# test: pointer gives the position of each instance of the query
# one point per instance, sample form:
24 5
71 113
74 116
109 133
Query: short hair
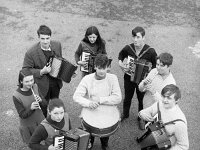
43 29
170 90
138 30
101 61
23 73
165 58
55 102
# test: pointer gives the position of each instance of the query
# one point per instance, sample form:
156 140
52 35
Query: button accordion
75 139
61 68
138 68
89 59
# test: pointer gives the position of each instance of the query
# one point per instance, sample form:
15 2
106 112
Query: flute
35 96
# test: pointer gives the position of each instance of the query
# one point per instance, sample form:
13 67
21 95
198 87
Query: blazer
35 60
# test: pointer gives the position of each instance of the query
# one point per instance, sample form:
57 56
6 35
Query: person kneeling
170 111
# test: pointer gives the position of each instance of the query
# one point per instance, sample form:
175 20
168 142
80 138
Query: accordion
89 59
155 138
75 139
138 68
61 68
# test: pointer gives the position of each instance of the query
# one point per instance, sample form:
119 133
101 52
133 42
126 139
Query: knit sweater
177 132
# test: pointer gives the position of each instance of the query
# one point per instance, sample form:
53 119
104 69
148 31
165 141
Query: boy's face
138 40
162 69
168 101
101 72
44 41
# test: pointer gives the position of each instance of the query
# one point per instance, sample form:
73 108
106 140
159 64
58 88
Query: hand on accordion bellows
35 105
45 70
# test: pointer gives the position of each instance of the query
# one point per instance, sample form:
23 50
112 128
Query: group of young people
42 113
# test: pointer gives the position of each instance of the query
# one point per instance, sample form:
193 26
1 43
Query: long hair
93 30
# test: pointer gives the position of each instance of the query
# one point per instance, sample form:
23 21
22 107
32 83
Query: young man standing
156 80
137 50
99 93
36 59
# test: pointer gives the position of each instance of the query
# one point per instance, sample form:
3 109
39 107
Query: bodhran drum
102 121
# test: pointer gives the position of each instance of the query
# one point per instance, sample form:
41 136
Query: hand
38 98
45 70
93 105
35 105
145 116
124 66
51 147
82 63
74 75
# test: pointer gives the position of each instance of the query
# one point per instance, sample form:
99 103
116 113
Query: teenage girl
92 43
27 101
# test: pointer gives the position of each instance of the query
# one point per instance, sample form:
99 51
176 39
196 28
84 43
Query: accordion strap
167 123
139 56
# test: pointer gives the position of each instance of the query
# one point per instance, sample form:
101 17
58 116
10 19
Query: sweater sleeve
40 134
81 92
22 111
115 96
181 134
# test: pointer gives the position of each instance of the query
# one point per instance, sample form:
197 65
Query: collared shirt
49 49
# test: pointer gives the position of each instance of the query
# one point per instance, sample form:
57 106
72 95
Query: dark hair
43 29
93 30
138 30
55 102
170 90
165 58
23 73
101 61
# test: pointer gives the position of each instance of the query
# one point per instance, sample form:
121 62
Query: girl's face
27 82
92 38
57 114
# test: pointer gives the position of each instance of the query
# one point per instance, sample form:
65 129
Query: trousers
129 89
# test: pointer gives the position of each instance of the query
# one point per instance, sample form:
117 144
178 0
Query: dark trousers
104 141
53 92
129 89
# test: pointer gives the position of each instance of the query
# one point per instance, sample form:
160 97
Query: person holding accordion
170 111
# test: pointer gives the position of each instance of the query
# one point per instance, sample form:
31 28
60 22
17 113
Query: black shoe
90 145
142 124
123 117
105 148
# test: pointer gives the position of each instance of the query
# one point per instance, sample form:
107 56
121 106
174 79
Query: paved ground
171 26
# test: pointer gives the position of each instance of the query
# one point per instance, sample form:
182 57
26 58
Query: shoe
90 145
142 124
123 117
105 148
